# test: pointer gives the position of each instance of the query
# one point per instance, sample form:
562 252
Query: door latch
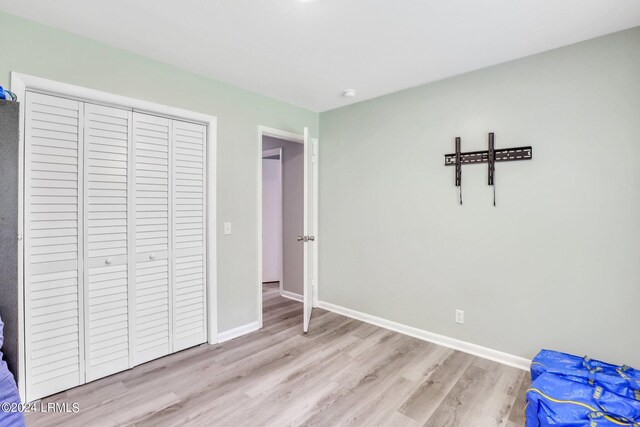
306 238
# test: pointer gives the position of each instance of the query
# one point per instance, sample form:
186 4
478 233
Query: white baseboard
467 347
238 332
291 295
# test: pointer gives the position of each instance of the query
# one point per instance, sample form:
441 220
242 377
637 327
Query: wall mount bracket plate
501 155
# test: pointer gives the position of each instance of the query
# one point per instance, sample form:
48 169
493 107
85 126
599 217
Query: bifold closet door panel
53 245
152 228
189 228
107 136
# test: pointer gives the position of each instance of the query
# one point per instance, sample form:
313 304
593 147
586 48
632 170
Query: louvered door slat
53 245
189 213
107 130
152 218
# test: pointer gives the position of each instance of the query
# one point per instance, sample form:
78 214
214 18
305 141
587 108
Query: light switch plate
227 228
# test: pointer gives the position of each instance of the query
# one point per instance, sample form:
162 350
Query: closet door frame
20 84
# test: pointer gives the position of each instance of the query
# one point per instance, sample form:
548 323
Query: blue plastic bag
621 380
5 94
10 416
557 401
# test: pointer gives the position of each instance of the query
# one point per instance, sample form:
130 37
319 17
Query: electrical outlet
227 228
460 316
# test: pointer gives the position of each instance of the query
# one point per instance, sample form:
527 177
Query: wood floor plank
480 398
342 373
516 416
425 366
374 370
433 390
498 397
381 405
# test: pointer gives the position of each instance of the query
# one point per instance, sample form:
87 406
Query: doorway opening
282 222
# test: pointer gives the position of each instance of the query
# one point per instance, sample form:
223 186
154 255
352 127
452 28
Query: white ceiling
308 52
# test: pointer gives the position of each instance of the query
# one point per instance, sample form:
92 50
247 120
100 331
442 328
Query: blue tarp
622 380
554 400
8 393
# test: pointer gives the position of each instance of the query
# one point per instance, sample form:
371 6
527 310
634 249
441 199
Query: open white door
309 226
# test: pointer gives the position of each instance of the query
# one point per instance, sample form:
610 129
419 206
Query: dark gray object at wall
9 128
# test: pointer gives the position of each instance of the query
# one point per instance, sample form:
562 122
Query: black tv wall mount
490 156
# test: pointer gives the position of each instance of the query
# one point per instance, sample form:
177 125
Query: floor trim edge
291 295
456 344
238 332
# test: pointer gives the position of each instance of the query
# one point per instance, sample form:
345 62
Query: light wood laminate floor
344 372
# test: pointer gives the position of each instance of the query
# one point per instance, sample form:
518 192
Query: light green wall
556 264
35 49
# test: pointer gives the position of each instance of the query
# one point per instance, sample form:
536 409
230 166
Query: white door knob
152 256
107 261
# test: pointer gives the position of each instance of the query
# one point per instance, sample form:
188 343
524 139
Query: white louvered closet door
189 219
53 245
107 135
152 231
